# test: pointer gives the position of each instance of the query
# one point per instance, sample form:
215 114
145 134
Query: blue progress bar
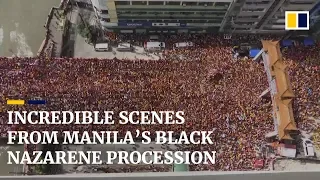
36 102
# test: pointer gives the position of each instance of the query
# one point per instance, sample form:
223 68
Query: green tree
86 32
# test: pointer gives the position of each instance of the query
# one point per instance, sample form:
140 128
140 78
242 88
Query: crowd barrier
204 175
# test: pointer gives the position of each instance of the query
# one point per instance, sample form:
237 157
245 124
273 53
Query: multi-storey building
262 15
174 16
315 18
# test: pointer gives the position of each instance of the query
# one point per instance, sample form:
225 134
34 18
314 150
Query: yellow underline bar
15 102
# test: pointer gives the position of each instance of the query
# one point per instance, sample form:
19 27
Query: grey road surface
21 25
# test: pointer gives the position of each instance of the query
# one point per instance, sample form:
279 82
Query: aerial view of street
124 86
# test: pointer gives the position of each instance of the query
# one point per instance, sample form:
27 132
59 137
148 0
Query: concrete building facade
315 19
196 16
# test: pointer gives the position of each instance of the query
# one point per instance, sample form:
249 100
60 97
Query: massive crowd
215 91
304 72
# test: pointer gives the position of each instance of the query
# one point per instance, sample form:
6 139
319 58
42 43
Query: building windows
123 12
236 9
170 21
122 3
161 9
168 13
173 3
140 12
139 3
136 17
200 21
222 4
131 12
274 28
276 23
155 13
205 3
301 2
245 23
189 3
243 28
214 21
257 3
253 9
253 17
156 3
186 13
212 13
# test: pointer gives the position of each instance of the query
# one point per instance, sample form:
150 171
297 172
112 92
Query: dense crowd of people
304 72
215 91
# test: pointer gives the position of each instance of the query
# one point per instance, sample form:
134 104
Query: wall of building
165 15
236 16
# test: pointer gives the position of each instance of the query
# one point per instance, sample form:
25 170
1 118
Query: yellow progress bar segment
15 102
292 20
